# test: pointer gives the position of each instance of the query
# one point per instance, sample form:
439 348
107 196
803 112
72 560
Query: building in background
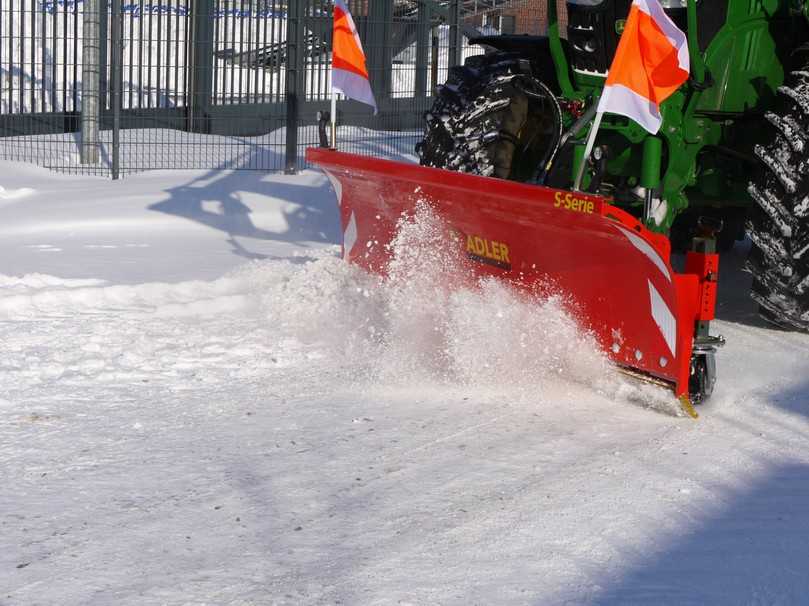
509 16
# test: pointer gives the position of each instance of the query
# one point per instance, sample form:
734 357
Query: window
508 24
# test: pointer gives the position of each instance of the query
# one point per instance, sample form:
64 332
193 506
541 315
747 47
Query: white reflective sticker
646 248
338 187
664 319
349 236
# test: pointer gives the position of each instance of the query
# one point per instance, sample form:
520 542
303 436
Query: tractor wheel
779 225
491 118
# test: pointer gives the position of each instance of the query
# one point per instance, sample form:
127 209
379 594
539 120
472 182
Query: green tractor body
737 68
739 58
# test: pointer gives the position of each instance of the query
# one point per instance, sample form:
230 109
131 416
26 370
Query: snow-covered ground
200 404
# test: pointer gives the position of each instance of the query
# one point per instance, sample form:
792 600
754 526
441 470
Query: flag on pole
349 74
651 62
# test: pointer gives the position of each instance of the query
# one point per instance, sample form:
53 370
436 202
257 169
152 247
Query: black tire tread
482 118
778 225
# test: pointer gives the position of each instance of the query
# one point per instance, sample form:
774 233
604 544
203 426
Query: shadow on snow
215 199
314 218
754 552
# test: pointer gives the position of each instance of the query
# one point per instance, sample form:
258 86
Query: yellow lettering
570 202
487 249
504 254
496 251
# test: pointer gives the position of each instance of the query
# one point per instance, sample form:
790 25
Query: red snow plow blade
615 273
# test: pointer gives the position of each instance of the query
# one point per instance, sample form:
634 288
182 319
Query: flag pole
333 141
588 149
333 116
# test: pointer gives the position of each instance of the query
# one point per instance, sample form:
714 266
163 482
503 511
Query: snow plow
615 274
506 162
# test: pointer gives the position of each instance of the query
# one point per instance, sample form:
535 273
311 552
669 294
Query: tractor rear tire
779 223
491 118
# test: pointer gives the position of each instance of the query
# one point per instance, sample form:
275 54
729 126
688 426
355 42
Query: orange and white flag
651 62
349 74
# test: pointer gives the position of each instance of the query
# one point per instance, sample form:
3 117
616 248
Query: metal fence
210 83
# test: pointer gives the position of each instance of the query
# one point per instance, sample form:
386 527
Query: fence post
380 18
116 49
435 49
422 49
201 67
295 82
90 110
455 33
103 59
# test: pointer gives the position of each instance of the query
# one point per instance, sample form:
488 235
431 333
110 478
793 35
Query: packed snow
200 403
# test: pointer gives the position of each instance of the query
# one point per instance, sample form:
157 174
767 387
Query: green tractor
732 154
